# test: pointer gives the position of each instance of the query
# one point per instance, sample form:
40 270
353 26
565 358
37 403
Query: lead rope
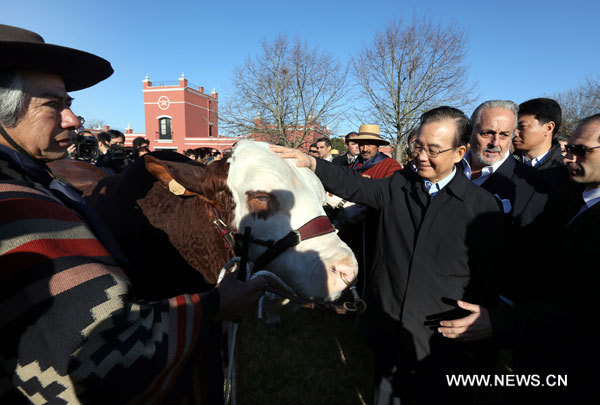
230 267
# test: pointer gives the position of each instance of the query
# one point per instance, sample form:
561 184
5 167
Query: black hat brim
78 69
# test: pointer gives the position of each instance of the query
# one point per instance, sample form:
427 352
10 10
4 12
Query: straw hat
370 132
25 50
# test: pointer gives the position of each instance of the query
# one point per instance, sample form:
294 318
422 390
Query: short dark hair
313 145
463 126
139 141
587 120
105 137
326 140
544 110
350 135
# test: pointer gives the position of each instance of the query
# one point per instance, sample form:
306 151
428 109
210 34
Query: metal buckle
298 237
219 222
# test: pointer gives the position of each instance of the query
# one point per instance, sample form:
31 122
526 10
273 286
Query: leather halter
315 227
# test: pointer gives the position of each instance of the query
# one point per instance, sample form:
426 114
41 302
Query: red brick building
314 131
181 116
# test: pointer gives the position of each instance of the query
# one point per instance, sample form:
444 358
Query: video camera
120 157
86 146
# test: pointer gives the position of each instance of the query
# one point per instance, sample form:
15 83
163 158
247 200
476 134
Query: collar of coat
457 187
553 158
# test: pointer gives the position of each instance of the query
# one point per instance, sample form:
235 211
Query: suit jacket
550 329
427 250
523 186
554 158
555 174
341 160
531 224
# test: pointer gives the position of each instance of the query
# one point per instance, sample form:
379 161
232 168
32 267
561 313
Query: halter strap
315 227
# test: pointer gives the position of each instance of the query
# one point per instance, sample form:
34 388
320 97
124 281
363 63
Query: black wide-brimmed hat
23 49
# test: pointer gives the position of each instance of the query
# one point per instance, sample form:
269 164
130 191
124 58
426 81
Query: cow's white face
273 197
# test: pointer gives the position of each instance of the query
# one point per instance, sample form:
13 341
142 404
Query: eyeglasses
578 150
432 152
313 152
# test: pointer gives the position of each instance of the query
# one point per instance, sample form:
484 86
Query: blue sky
517 49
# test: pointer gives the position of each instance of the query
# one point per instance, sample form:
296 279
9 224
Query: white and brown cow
162 207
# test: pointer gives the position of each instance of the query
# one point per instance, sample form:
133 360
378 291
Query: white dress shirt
591 197
486 172
536 160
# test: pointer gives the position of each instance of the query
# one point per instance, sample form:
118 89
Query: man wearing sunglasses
314 150
583 158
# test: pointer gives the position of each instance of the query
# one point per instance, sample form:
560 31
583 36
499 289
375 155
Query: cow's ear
168 172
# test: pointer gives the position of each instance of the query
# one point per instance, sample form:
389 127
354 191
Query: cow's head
274 197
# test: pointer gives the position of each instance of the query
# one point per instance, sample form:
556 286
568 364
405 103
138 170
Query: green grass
314 357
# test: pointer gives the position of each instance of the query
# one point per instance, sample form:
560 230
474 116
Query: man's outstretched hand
303 160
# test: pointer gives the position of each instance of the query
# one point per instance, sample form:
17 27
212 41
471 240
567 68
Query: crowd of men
483 241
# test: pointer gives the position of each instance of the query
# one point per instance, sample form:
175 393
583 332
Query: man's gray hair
13 98
505 104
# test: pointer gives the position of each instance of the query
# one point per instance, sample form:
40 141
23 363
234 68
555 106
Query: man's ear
460 153
549 127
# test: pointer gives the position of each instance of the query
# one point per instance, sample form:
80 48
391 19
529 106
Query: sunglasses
579 150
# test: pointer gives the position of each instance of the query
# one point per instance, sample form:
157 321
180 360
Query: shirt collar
434 188
536 160
486 172
591 197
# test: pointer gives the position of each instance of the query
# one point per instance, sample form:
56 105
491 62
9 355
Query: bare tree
408 69
95 123
283 93
578 103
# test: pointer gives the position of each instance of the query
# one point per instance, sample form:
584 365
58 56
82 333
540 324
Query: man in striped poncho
71 332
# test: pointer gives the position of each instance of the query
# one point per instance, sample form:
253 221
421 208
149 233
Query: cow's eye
261 203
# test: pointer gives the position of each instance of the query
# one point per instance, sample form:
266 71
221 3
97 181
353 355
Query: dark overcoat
551 329
428 249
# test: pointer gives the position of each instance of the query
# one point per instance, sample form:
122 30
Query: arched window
164 125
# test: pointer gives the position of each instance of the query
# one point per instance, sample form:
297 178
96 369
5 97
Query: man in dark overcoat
439 240
521 190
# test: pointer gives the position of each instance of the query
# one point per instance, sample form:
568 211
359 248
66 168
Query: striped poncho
70 332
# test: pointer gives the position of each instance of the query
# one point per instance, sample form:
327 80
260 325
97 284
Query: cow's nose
346 272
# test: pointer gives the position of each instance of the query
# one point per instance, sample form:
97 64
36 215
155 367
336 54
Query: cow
162 208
